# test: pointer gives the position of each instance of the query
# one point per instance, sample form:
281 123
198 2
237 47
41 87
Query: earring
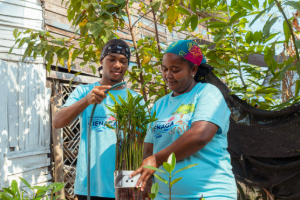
193 75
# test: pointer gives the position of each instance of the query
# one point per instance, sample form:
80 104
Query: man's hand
97 94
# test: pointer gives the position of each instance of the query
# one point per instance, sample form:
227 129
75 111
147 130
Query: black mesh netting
264 145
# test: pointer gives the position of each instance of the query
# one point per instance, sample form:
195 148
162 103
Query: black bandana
116 48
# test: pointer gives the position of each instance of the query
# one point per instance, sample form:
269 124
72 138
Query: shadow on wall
24 122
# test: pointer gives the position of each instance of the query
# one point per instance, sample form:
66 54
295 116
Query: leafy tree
97 22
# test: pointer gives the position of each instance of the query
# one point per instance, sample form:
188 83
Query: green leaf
297 89
156 6
15 33
194 22
152 196
59 42
249 37
42 188
237 16
14 186
5 196
256 36
193 5
154 188
216 24
172 161
156 169
241 191
175 181
161 179
59 186
56 197
204 19
9 191
293 4
28 50
76 74
297 43
185 168
258 16
167 167
93 68
245 4
63 53
95 27
286 31
182 10
283 71
255 3
267 27
199 4
233 3
11 49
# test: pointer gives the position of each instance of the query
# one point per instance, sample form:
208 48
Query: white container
122 180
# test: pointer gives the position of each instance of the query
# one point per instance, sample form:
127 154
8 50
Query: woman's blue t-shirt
103 144
213 177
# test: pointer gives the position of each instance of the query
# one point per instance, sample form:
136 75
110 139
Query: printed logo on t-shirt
178 123
100 123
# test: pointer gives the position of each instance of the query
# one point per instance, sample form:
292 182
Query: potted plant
130 121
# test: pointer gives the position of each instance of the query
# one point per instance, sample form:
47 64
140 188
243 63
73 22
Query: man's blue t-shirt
103 144
213 176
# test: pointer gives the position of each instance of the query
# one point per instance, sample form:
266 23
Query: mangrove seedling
169 166
13 192
131 119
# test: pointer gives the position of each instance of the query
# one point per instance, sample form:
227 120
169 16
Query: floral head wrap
190 51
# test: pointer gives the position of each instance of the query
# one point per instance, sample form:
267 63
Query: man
115 57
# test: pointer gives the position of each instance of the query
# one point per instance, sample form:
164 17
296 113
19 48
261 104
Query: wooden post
57 138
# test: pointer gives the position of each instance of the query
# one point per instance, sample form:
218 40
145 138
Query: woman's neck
189 88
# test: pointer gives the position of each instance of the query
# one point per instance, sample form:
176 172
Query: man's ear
101 61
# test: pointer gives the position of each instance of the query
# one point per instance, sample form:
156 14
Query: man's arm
67 115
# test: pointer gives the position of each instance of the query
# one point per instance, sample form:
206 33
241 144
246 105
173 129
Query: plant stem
158 44
170 186
237 51
290 27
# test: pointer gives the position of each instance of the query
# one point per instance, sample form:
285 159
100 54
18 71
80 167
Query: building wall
25 100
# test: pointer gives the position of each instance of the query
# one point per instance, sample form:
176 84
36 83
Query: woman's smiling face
177 73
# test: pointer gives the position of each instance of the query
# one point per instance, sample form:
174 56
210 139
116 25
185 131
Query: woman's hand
145 173
96 95
147 190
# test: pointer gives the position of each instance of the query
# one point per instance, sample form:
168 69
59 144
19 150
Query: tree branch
141 17
290 27
135 47
237 50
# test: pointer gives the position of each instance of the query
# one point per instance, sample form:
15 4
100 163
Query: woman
193 122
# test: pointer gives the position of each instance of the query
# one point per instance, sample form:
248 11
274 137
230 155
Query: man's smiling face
114 67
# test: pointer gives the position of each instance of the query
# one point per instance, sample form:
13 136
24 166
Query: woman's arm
192 141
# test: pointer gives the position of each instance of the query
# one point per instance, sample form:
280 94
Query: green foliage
33 193
97 22
154 191
168 166
131 120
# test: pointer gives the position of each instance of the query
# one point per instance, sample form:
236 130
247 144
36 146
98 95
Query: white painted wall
24 100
